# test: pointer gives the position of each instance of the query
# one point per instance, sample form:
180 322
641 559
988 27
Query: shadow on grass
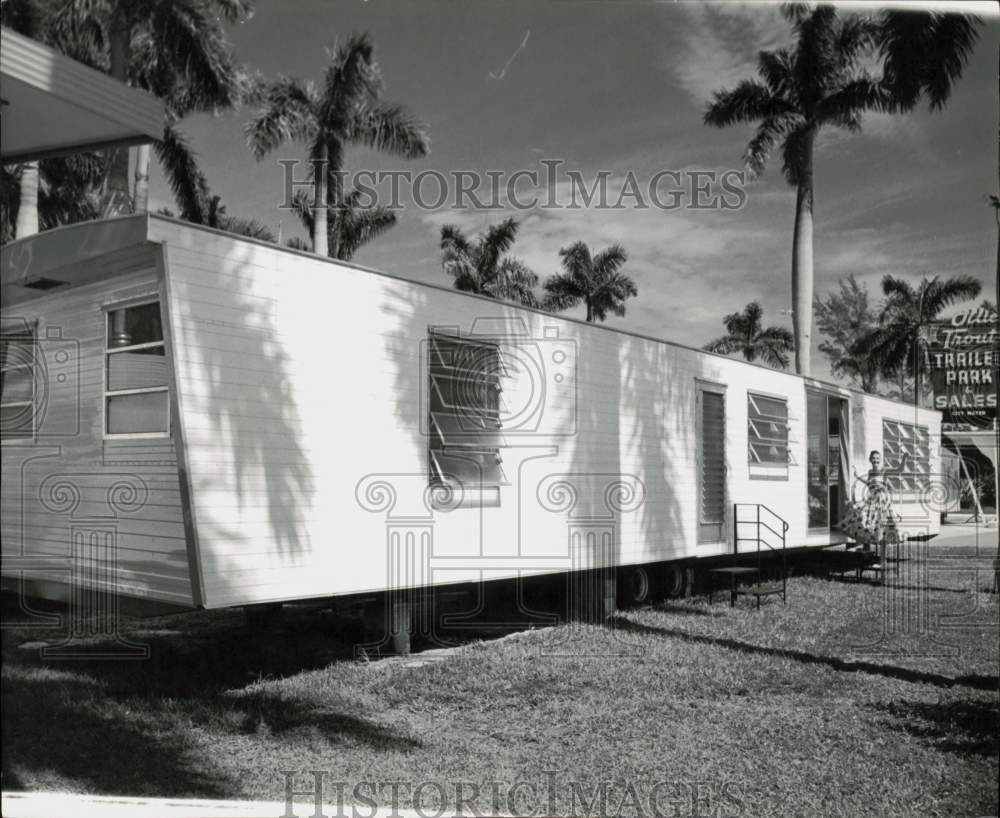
962 726
261 712
54 727
687 608
979 682
852 580
131 727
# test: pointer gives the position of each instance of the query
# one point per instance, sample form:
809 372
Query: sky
622 87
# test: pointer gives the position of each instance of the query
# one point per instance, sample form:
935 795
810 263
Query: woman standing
877 515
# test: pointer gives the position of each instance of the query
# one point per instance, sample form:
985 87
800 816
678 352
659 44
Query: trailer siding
298 462
920 514
302 395
70 484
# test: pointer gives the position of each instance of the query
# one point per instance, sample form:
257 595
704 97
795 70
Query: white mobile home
207 420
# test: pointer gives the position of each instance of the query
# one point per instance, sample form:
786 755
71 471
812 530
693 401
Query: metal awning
52 105
985 440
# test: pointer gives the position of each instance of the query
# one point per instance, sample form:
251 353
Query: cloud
716 45
691 266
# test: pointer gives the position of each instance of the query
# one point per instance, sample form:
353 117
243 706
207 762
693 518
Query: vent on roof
42 283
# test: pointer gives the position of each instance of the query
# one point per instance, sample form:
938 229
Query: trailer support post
593 595
399 623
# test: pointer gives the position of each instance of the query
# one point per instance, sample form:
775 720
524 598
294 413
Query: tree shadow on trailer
663 437
249 405
622 394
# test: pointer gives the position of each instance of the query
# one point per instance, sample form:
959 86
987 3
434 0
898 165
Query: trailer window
464 393
907 440
136 399
767 435
17 386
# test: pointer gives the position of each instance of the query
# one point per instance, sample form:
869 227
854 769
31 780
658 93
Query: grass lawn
853 699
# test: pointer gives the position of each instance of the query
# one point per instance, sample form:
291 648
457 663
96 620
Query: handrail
737 539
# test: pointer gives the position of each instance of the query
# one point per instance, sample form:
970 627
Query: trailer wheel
635 585
679 581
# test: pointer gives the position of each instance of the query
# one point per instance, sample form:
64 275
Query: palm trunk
802 262
320 244
27 209
140 194
590 313
116 198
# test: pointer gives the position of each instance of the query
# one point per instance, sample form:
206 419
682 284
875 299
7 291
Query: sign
963 360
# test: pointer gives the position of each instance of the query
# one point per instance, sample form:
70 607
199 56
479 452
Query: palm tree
484 268
597 281
895 344
175 49
820 83
923 54
215 215
746 334
29 19
27 208
349 226
347 110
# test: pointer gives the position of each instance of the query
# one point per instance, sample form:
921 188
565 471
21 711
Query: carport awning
53 105
985 440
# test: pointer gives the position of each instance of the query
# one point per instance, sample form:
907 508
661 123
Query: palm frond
288 114
939 295
186 180
357 226
302 207
390 128
352 79
749 101
180 53
515 282
924 53
856 35
561 293
297 243
576 260
454 241
776 69
725 345
498 239
863 93
608 261
240 226
764 140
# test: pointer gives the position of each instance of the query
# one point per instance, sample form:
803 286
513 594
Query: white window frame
108 351
766 469
33 331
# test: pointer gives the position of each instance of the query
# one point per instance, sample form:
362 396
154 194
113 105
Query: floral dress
877 516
